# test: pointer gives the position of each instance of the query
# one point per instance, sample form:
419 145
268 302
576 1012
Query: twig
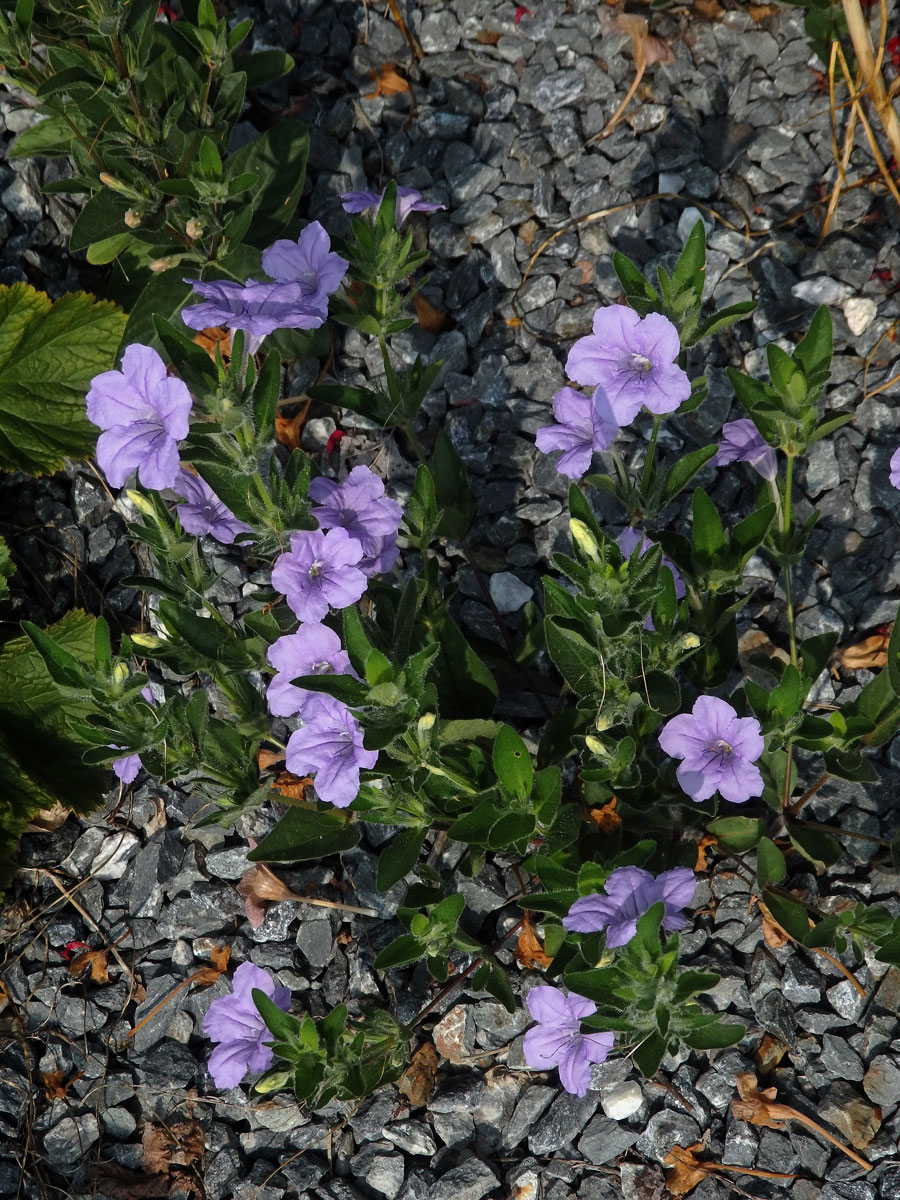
90 920
871 71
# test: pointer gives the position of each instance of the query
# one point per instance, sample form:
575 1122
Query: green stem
415 443
786 529
649 463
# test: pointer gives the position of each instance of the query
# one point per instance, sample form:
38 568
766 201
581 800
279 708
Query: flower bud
584 539
140 502
193 229
120 673
132 218
148 641
596 746
162 264
272 1080
689 641
603 722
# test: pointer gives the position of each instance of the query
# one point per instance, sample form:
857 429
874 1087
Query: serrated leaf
49 352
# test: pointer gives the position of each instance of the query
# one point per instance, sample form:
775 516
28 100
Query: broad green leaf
715 1036
49 353
278 159
279 1023
770 865
407 948
399 857
512 763
303 834
737 833
685 469
163 297
708 535
790 914
7 569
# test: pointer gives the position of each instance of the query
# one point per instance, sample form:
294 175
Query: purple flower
360 506
256 308
584 424
742 442
312 650
143 414
408 200
235 1023
308 262
203 511
557 1040
632 358
329 746
719 750
630 892
628 539
895 469
320 570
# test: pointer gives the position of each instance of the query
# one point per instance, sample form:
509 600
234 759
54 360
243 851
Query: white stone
508 592
688 220
114 855
859 313
670 181
621 1100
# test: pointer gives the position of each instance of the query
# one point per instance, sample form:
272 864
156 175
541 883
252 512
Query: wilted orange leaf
289 422
762 12
417 1081
176 1151
267 758
702 846
488 37
209 339
869 654
770 1053
97 961
607 819
711 10
48 819
684 1170
527 230
429 317
291 786
56 1086
529 951
387 81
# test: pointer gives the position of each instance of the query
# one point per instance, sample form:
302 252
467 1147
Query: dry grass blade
861 37
759 1107
647 50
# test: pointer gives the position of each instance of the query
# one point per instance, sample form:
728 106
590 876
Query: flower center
315 568
322 668
720 746
639 365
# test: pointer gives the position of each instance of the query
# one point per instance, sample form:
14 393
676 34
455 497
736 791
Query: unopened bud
132 218
584 539
193 229
162 264
148 641
689 641
272 1080
595 746
110 180
602 722
120 673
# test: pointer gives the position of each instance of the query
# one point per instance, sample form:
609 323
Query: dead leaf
293 787
529 951
702 846
387 81
429 317
95 960
259 886
684 1170
773 935
710 10
417 1081
56 1086
606 818
175 1152
527 230
48 819
769 1054
870 654
289 422
645 46
215 338
488 37
587 270
762 12
268 758
125 1184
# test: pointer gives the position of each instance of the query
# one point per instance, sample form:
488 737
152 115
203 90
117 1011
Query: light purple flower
557 1040
309 262
313 650
235 1023
256 308
360 506
408 200
895 469
628 539
203 511
742 442
127 768
320 570
329 746
719 750
585 424
630 892
144 414
632 359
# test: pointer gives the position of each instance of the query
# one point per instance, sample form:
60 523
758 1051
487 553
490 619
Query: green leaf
279 1023
453 494
814 352
103 252
50 138
723 318
738 834
7 569
465 686
708 535
278 159
685 469
715 1036
399 857
163 297
512 763
575 658
790 914
49 353
815 844
690 270
407 948
640 295
787 698
648 1055
512 827
101 218
770 864
302 834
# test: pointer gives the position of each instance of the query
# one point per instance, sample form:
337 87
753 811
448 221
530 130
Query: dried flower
633 359
320 570
235 1023
585 424
718 749
557 1040
143 413
630 892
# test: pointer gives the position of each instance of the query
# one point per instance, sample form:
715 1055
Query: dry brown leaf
417 1081
587 270
529 951
48 819
268 758
527 230
125 1184
710 10
606 818
175 1152
769 1054
774 936
289 422
387 81
762 12
647 48
209 339
292 787
869 654
97 961
429 317
488 37
684 1170
56 1086
702 846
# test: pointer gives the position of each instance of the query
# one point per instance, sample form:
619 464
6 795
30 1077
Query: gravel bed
736 129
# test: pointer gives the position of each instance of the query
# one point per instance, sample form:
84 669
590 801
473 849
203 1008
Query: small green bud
596 746
584 539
